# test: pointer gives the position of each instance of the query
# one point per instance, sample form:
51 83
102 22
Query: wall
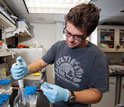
43 33
93 37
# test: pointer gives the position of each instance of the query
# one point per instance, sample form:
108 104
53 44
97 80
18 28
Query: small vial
5 84
4 100
2 73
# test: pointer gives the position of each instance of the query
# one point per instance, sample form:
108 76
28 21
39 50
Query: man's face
74 37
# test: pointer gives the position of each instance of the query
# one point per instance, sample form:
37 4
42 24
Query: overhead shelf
5 20
12 28
19 32
25 32
22 30
5 23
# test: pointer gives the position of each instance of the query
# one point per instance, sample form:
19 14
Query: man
81 68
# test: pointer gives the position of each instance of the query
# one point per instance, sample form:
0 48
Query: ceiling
110 12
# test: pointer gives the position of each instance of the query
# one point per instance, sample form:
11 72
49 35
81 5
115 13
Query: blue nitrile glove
54 93
19 70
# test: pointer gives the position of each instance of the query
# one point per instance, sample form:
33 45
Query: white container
107 38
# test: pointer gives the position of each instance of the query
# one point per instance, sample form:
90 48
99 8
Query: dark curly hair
84 16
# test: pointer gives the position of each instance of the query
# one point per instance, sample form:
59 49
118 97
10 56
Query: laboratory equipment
5 86
4 100
19 100
30 95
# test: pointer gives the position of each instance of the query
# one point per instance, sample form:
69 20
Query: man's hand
55 93
19 70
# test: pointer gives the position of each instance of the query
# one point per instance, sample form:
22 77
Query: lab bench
118 76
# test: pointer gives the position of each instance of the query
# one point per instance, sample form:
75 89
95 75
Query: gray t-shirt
78 69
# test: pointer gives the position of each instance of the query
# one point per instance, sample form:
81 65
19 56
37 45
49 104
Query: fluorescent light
52 6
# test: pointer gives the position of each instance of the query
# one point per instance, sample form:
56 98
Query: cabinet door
108 99
106 38
121 40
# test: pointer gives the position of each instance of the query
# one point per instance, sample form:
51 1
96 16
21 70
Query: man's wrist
72 97
69 96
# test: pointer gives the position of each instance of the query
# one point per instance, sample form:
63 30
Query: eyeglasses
76 37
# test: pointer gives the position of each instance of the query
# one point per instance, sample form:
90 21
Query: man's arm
55 93
88 96
36 66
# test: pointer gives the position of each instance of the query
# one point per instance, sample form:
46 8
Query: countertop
117 74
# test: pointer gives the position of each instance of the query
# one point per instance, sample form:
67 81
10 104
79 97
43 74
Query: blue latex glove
54 93
19 71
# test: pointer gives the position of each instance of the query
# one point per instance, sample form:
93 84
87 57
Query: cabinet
108 99
122 92
111 38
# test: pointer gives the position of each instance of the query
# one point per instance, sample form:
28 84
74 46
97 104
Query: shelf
20 31
107 40
25 32
5 23
120 50
108 49
5 53
23 28
107 30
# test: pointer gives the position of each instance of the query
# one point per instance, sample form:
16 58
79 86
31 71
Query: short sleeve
99 76
49 57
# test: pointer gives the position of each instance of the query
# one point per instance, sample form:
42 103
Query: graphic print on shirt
68 70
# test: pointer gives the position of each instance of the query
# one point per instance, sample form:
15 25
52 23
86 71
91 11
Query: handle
21 81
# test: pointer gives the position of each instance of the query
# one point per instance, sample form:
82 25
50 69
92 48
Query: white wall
59 31
43 33
93 37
